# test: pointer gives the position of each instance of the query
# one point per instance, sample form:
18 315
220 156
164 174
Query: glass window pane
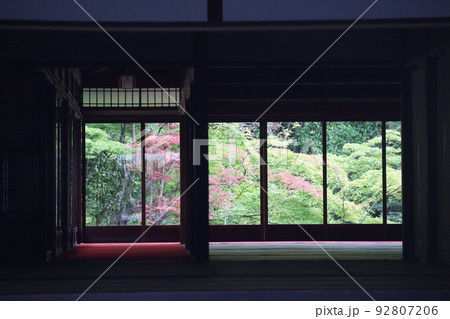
113 178
121 95
144 97
100 98
86 98
234 192
295 172
174 97
92 97
394 172
114 97
162 160
354 173
136 101
107 94
158 95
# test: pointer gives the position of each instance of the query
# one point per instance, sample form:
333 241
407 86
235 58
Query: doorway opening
131 147
132 181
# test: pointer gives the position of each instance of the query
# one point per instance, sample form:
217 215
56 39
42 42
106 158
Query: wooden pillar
77 193
83 183
195 233
433 161
426 186
215 11
47 174
407 171
438 108
65 173
420 161
185 181
444 109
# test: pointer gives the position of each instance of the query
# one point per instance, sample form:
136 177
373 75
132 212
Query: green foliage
362 163
354 179
113 174
340 133
295 173
112 185
98 140
293 207
298 198
234 174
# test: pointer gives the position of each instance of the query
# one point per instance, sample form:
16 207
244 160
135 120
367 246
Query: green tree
112 183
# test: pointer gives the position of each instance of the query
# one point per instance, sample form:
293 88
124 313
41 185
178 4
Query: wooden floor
237 271
305 251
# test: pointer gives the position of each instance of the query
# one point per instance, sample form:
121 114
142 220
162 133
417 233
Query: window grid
139 97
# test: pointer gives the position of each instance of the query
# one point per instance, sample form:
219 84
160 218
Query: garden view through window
234 177
354 172
393 172
118 192
317 173
294 158
357 173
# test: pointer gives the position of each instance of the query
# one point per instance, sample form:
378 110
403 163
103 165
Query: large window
340 172
118 192
317 173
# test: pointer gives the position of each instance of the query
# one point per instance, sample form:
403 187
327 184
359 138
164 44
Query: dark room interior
336 119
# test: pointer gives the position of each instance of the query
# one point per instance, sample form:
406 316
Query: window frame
264 231
324 231
143 180
139 115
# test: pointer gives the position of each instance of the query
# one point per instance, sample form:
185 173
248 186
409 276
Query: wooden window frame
324 231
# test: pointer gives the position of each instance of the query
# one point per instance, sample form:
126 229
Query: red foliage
158 143
162 161
161 211
160 176
219 194
294 183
